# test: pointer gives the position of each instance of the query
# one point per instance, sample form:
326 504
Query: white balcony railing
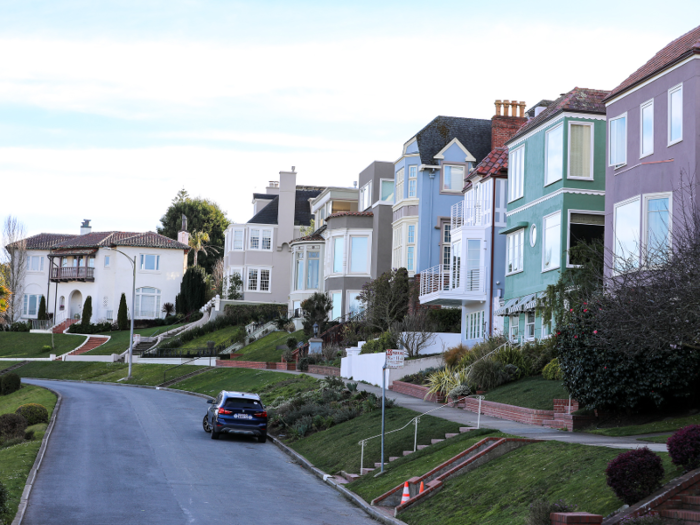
457 215
435 279
446 278
468 212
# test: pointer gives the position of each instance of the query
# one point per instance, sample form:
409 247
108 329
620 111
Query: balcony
468 212
451 285
72 273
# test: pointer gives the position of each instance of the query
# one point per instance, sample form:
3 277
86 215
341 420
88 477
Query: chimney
503 127
85 227
273 187
286 207
183 236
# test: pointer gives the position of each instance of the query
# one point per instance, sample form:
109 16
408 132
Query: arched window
147 303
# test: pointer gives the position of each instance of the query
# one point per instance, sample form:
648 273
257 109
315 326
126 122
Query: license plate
242 416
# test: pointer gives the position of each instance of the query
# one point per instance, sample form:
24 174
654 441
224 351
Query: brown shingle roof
680 48
578 100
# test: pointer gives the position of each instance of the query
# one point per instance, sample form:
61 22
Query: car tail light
225 412
260 414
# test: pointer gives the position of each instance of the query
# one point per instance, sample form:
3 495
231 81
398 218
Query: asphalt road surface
121 455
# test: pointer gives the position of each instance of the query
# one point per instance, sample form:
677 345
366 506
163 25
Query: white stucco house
67 268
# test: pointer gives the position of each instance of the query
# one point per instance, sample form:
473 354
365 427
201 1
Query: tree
386 299
168 309
42 309
198 242
232 287
316 310
14 252
203 215
122 317
217 278
308 230
415 331
193 289
4 300
87 312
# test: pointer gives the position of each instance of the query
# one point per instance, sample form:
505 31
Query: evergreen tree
122 318
193 289
42 309
87 311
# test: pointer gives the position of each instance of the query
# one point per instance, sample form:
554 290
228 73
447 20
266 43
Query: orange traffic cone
406 494
421 487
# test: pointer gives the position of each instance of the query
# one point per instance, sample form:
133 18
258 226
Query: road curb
328 479
24 500
195 394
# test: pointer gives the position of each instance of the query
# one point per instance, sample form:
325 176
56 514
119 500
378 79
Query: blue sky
107 109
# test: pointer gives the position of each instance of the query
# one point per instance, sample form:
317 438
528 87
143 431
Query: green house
555 199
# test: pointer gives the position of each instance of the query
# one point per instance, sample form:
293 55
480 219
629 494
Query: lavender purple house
653 140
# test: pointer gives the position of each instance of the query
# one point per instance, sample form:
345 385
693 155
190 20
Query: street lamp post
133 302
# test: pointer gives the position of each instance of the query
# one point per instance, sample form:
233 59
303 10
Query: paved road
121 455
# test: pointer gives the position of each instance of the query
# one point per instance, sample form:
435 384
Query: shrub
511 355
352 387
459 392
446 319
87 311
9 383
80 328
454 355
541 509
19 326
634 475
537 354
122 319
487 374
287 356
684 447
384 342
552 371
42 309
303 364
34 413
292 343
46 348
12 426
4 497
479 350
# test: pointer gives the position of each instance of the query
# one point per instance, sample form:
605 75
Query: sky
108 108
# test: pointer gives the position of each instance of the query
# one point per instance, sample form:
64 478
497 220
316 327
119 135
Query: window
411 234
580 151
266 239
530 325
147 303
618 141
91 261
475 325
107 261
551 242
533 235
514 249
554 154
387 189
299 269
516 173
35 263
446 245
473 270
397 244
259 239
657 235
410 259
30 305
338 254
312 271
514 324
626 235
337 298
452 178
675 115
354 304
365 196
456 263
584 227
399 185
412 180
254 239
646 131
358 254
545 330
237 239
264 280
150 262
252 280
258 279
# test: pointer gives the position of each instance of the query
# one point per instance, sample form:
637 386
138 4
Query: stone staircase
142 347
13 367
187 376
60 328
682 508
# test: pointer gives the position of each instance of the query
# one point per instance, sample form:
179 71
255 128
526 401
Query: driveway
121 455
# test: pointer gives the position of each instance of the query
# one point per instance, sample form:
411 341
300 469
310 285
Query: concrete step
349 477
465 429
686 516
379 465
434 441
450 435
393 458
366 471
407 452
421 447
340 480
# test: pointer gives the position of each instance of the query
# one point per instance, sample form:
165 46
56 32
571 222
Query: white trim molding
559 117
555 194
468 156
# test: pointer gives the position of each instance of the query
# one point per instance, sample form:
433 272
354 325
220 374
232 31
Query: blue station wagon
236 413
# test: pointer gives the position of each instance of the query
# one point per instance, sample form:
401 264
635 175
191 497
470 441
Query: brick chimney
503 127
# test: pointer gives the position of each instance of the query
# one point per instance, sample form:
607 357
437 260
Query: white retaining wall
441 342
200 361
368 367
113 358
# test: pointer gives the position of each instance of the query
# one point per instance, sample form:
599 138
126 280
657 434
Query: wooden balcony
72 273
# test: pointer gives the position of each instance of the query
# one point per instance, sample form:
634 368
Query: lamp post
133 311
315 329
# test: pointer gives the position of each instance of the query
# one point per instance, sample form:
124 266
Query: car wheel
205 423
262 438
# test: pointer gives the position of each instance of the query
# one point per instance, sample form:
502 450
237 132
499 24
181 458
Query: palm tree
198 244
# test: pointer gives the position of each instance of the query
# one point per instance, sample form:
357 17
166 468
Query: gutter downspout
493 235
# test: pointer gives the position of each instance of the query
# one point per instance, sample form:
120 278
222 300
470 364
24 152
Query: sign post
393 359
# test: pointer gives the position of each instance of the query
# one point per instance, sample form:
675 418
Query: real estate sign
394 358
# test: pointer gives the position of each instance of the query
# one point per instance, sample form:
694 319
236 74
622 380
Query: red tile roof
350 214
677 50
46 241
494 163
61 242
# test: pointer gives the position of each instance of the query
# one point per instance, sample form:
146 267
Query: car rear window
238 402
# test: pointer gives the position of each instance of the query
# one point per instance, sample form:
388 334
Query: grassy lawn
501 492
337 448
16 461
657 439
665 425
24 344
108 372
269 384
119 341
7 364
219 336
265 348
530 392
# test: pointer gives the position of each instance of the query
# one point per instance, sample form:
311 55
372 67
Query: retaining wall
412 390
529 416
324 370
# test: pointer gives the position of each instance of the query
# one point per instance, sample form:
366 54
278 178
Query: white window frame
528 336
610 142
442 178
299 257
516 177
142 262
25 305
671 91
258 279
254 235
340 304
139 298
260 238
233 240
568 152
412 181
334 243
570 212
642 107
318 270
645 216
30 261
365 196
544 240
381 187
349 250
511 336
558 127
398 191
618 205
519 267
349 295
475 325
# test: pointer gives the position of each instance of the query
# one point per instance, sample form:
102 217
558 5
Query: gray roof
268 196
302 209
474 134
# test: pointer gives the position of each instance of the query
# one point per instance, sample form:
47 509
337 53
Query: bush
454 355
446 319
19 326
459 392
541 509
634 475
384 342
122 319
12 426
684 447
537 354
303 364
4 497
552 371
87 312
34 413
9 383
479 350
42 309
46 348
292 343
511 355
487 374
80 328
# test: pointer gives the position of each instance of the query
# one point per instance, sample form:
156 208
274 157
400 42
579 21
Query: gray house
652 145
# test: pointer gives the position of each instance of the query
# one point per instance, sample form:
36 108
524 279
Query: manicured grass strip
222 336
666 425
265 348
502 491
108 372
8 364
119 339
337 448
530 392
23 344
417 464
657 439
27 394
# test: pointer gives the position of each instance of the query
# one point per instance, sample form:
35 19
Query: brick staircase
59 329
683 507
93 342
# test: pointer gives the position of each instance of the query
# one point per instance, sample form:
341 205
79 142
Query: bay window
254 239
584 227
313 259
514 251
411 248
299 269
675 115
338 254
336 311
580 151
516 173
618 141
551 242
554 154
399 185
267 239
237 239
397 244
354 304
358 254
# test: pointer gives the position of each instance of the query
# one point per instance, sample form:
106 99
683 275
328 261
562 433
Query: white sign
394 358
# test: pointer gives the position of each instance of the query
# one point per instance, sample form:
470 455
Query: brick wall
503 128
412 390
560 406
510 412
568 518
324 370
241 364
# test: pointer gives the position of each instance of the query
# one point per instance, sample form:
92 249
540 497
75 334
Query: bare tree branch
14 251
